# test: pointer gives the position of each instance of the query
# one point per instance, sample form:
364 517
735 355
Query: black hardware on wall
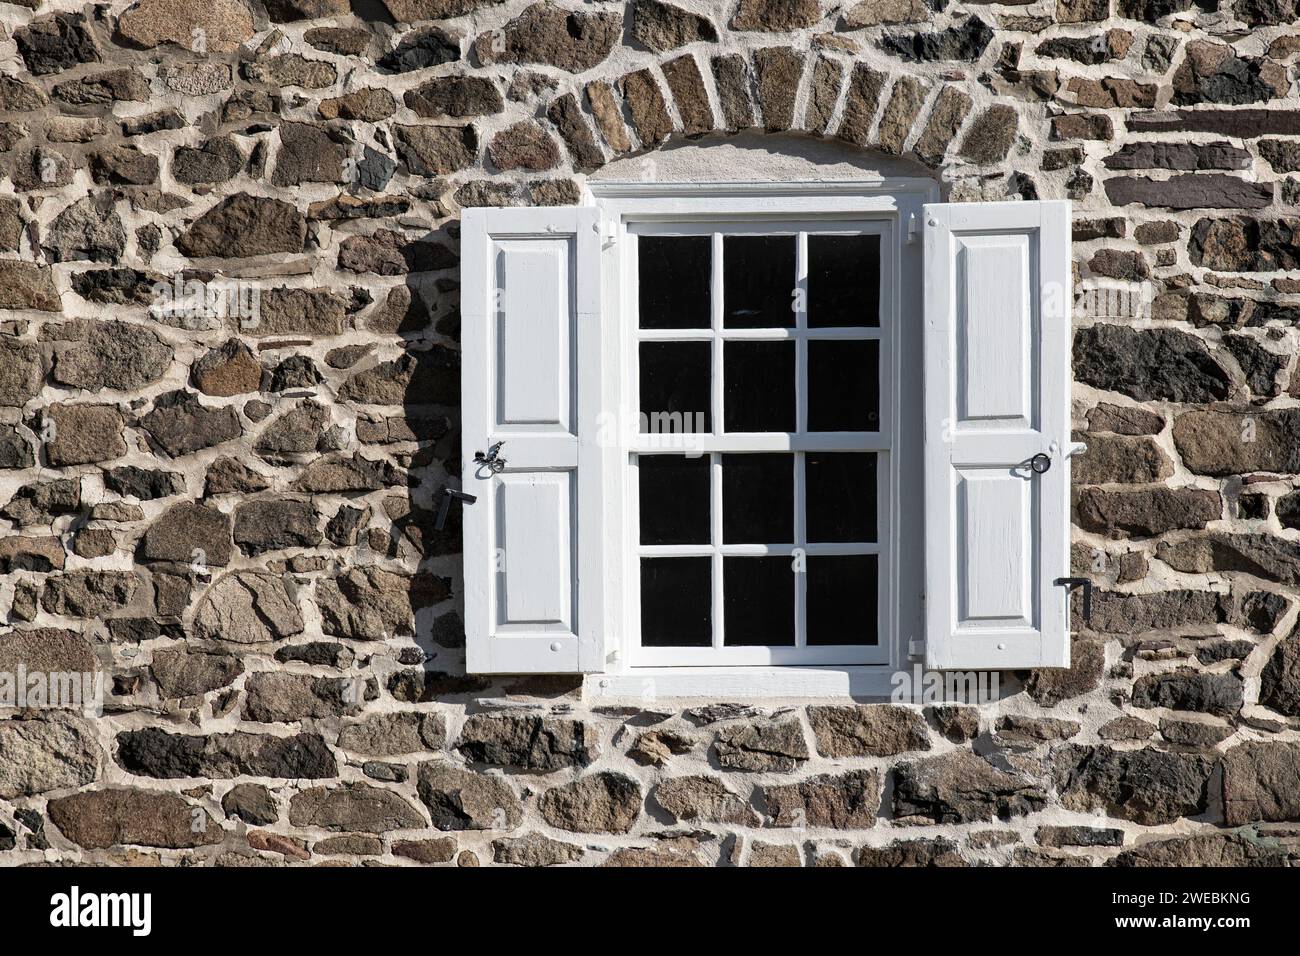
1086 583
448 495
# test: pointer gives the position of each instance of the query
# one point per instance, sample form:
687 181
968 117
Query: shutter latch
1086 583
448 495
494 463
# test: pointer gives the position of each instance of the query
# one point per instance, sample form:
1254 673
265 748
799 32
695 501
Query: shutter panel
997 347
530 340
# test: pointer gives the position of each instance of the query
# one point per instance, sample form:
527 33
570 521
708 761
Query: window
780 439
761 343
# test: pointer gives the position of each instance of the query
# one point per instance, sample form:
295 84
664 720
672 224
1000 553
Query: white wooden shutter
530 339
997 352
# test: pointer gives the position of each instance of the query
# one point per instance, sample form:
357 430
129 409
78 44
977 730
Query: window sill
648 684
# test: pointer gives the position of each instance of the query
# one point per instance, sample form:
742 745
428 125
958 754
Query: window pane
844 386
758 499
841 497
842 600
759 380
674 499
843 281
675 274
676 602
758 280
758 595
675 386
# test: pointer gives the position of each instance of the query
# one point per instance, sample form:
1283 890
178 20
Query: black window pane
674 279
841 496
758 596
758 282
676 602
758 499
674 499
842 600
675 386
843 281
759 393
844 386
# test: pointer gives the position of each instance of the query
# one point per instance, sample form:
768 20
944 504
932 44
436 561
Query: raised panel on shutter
530 341
997 333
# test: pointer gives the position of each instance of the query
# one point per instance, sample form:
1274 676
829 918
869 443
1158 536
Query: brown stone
901 113
103 818
865 87
687 87
731 79
779 70
946 117
867 731
645 104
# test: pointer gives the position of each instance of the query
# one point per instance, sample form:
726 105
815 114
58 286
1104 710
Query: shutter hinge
1086 583
607 229
916 649
913 227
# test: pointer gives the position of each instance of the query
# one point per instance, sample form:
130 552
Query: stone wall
227 510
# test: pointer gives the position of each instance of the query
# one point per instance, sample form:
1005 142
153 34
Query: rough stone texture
962 788
602 803
51 753
1145 786
867 731
527 743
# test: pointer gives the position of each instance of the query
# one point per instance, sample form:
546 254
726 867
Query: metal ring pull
1040 463
494 463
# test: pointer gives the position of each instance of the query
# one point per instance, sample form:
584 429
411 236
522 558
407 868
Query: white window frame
894 203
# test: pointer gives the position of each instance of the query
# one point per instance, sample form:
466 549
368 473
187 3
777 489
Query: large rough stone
83 434
534 850
1239 244
1146 786
153 752
186 672
1149 364
1050 685
21 372
225 24
860 104
1192 191
605 802
949 112
926 853
663 26
779 70
53 752
189 532
27 285
961 41
355 808
528 742
100 819
1120 458
215 161
1233 441
49 650
523 146
242 225
1262 555
867 731
43 501
572 40
704 799
89 229
646 107
962 788
1187 689
388 735
775 16
275 524
1233 849
435 150
763 747
88 593
247 607
276 697
454 96
871 13
312 312
1114 612
1173 155
460 800
308 154
1279 682
1150 511
366 604
843 802
21 553
96 355
180 425
56 43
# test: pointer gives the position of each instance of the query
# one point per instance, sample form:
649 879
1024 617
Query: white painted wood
532 379
997 350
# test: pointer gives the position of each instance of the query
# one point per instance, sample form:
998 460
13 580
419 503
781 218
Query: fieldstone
19 96
567 116
925 853
989 138
571 40
731 80
534 850
1149 364
1213 73
663 26
123 166
1019 730
704 799
89 229
276 524
1234 849
1121 458
1258 364
1124 420
242 225
370 105
646 107
946 117
843 802
291 69
1259 782
956 722
1173 155
391 253
1062 836
151 23
99 819
50 752
605 802
1114 612
1238 244
226 475
40 168
88 593
15 450
867 731
252 803
417 50
229 369
22 374
961 41
95 355
285 311
153 752
775 16
21 553
349 844
56 43
1262 555
762 747
523 146
962 788
823 94
247 607
366 604
432 377
388 735
215 161
679 852
1191 191
1149 511
296 432
197 79
774 855
189 532
527 742
41 502
180 425
1279 682
1259 611
1094 126
455 96
344 473
1234 441
460 800
83 434
686 84
277 697
357 807
1145 786
426 852
860 102
871 13
779 70
100 89
186 672
1194 734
